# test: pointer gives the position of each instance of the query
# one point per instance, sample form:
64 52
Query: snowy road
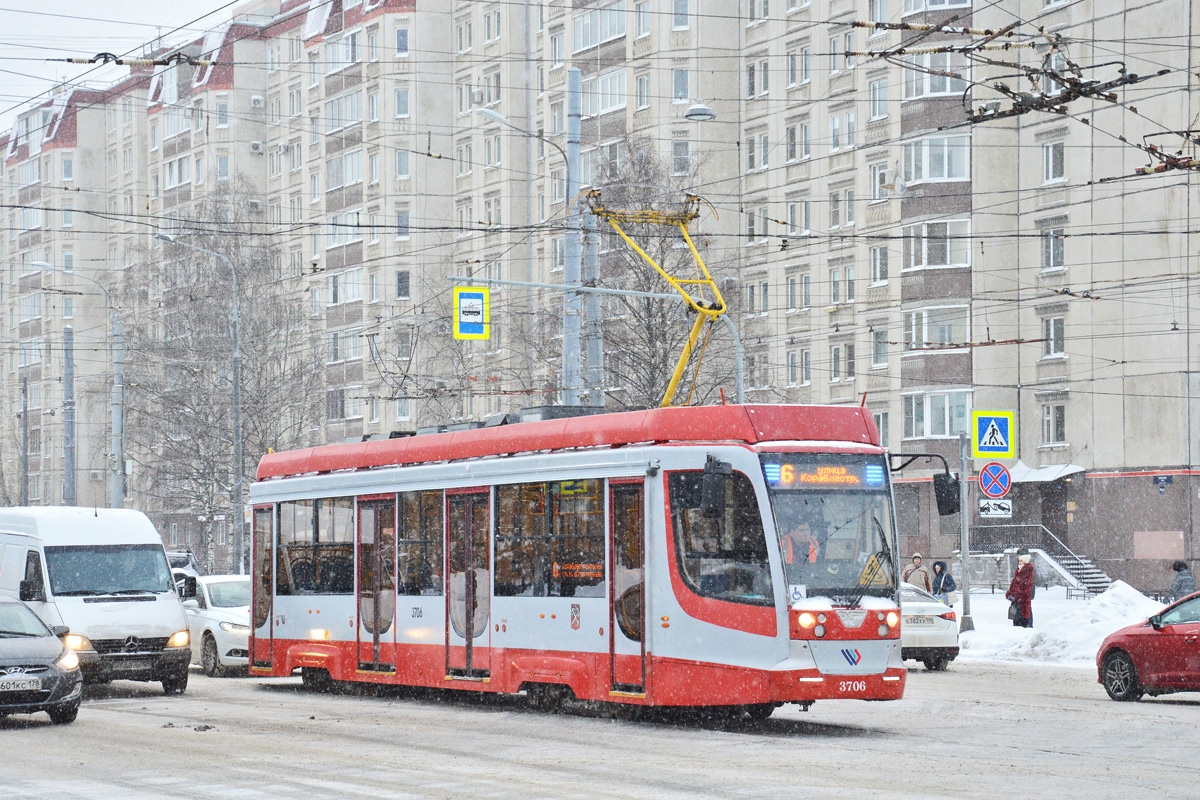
980 730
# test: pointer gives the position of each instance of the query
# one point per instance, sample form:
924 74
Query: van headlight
233 627
178 639
77 642
68 661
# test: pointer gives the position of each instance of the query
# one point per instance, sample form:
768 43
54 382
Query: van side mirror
712 488
946 493
30 591
1156 622
188 587
60 630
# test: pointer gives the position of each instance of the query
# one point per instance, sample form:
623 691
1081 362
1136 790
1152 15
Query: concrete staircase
1076 570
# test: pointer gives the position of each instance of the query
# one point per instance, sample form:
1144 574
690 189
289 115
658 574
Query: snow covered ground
1065 632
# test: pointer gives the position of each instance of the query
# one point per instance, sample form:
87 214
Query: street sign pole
964 516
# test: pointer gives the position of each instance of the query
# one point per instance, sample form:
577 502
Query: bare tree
179 404
644 337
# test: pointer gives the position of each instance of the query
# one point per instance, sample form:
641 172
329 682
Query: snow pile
1067 632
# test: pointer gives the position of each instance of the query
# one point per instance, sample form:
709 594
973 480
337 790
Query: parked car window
19 620
1184 612
230 594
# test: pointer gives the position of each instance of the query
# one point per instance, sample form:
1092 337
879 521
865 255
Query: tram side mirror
712 488
945 491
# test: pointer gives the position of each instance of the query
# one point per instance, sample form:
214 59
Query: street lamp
116 478
572 255
699 113
237 396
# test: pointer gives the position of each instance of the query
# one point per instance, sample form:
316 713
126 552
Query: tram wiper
879 558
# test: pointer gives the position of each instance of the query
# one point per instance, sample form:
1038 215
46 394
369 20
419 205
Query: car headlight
233 627
178 639
68 661
77 642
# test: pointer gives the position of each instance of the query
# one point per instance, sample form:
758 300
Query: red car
1159 656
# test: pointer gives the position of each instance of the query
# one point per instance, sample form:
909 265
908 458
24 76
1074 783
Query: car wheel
210 660
316 679
176 684
936 663
1120 677
64 713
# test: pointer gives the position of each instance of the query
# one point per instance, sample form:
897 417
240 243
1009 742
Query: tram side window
724 558
316 547
419 546
550 539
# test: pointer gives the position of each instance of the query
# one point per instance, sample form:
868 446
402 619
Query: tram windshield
833 513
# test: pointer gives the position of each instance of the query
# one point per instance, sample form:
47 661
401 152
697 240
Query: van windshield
108 569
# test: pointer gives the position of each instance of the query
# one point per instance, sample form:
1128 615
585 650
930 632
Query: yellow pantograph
700 291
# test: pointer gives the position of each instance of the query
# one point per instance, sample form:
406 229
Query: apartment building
874 249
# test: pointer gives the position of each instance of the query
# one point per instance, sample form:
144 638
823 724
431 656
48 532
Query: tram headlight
819 631
807 620
893 619
318 635
883 630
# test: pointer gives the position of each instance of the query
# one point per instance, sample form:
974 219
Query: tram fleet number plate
20 684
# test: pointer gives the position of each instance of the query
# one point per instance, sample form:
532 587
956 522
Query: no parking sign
994 480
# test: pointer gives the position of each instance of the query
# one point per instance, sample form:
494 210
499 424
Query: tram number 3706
852 686
418 612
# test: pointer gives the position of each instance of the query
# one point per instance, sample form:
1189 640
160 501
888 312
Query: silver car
928 628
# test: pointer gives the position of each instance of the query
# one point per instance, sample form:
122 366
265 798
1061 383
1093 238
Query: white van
103 573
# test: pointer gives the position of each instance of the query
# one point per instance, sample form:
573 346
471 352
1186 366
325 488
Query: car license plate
20 684
921 620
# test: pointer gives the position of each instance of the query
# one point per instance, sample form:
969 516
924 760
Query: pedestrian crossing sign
992 434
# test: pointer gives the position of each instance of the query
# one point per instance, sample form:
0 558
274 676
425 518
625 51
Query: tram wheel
546 697
758 712
316 679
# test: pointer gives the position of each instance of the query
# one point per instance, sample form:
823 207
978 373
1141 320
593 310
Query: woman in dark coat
1183 585
1020 592
943 582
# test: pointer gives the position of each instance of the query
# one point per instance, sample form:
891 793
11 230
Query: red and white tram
696 556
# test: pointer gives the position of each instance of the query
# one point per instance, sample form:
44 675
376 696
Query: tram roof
750 424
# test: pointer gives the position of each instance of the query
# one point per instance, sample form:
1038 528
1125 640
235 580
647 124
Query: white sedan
219 621
928 628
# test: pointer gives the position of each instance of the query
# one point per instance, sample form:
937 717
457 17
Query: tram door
375 554
627 589
469 583
264 587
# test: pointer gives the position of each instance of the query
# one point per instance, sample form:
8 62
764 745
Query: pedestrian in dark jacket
1183 584
1020 593
943 582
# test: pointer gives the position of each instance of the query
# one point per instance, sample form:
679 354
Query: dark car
37 671
1158 656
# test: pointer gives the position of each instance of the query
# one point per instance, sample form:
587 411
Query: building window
1052 249
679 85
929 75
936 244
641 17
879 347
643 91
937 158
681 159
1052 337
805 291
881 181
402 285
879 264
680 14
403 231
402 102
1052 162
401 42
936 414
881 422
835 363
936 328
1054 424
879 98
